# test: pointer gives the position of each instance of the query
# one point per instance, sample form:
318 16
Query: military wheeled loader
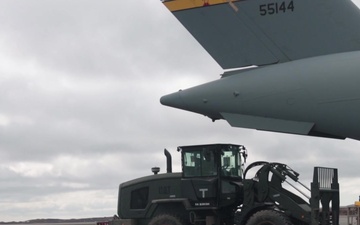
213 189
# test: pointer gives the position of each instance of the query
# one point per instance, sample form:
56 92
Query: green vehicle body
212 190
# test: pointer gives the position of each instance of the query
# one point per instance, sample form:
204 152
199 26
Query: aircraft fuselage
318 96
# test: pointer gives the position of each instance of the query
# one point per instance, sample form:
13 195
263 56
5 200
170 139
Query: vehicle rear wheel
166 219
269 217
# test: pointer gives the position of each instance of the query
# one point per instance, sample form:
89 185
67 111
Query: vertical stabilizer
262 32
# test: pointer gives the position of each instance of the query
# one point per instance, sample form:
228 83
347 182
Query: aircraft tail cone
173 100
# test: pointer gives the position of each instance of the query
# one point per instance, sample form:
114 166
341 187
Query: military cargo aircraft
305 64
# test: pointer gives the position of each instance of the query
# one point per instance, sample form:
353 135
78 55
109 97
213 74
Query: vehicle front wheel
269 217
166 219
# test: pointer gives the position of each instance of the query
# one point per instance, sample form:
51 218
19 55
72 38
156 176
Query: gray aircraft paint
318 96
245 37
308 58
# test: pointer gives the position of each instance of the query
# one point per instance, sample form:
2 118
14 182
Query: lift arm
261 192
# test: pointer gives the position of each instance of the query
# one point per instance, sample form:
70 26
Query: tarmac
73 223
342 221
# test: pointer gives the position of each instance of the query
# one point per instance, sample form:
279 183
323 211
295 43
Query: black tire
166 219
269 217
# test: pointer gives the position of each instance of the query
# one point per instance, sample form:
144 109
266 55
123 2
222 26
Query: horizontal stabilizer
262 32
268 124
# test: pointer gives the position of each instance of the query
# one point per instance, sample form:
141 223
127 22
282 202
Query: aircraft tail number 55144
275 8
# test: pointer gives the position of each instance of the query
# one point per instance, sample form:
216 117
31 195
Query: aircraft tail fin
261 32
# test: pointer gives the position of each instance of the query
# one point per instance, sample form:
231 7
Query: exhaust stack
168 161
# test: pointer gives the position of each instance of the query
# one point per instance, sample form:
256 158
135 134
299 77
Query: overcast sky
80 83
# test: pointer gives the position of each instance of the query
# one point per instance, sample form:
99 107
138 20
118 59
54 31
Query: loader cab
224 160
212 174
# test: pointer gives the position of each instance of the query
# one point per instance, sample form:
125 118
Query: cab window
199 163
230 163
